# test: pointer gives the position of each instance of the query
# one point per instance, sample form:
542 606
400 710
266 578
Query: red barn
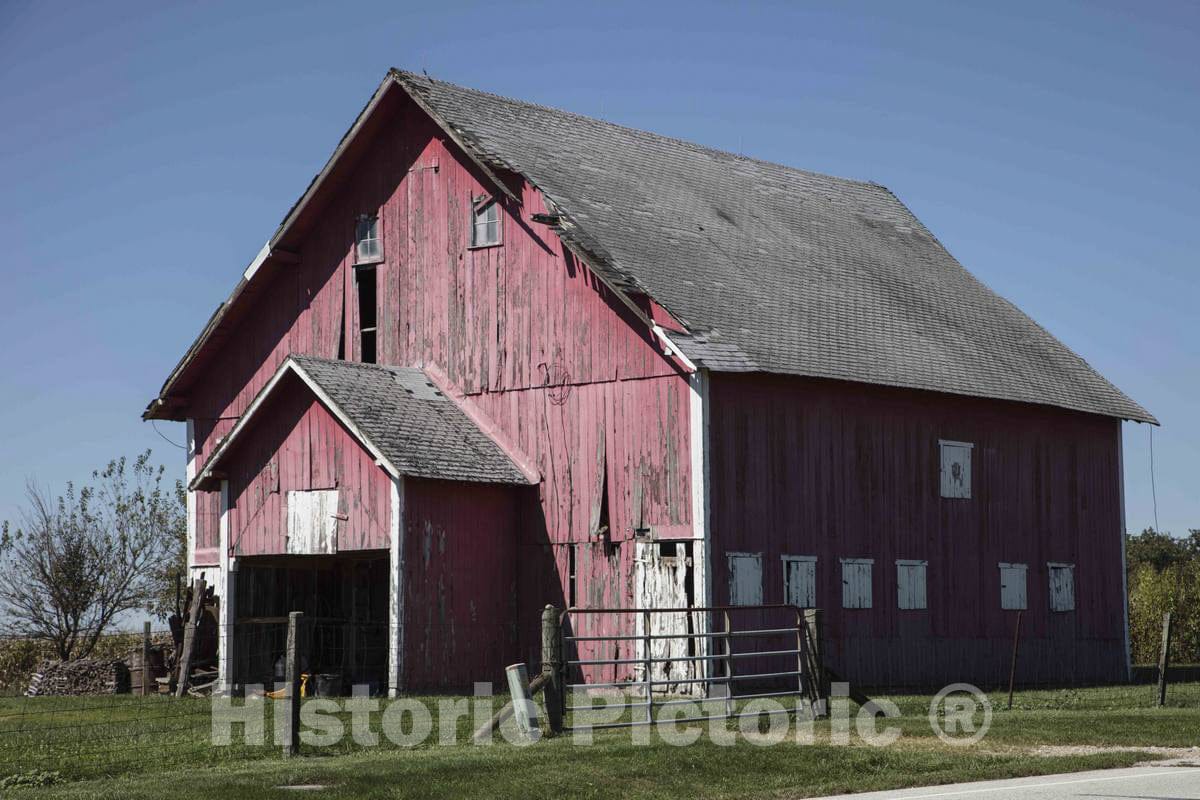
499 355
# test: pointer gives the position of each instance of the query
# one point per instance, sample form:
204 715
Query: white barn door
661 573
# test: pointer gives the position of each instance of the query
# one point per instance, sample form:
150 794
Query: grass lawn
132 748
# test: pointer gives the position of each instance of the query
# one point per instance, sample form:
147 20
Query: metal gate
681 651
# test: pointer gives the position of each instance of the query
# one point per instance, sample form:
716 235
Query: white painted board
661 573
312 522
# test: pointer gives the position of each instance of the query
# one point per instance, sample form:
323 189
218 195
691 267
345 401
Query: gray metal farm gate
697 655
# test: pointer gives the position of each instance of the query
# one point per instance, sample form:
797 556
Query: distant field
156 747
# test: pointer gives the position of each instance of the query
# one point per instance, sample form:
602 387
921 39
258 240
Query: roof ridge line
405 76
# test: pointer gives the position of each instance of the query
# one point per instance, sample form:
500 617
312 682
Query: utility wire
154 424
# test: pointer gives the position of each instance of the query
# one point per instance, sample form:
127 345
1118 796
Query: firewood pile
185 662
85 676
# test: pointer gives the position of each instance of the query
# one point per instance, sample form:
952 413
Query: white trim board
190 475
225 592
396 587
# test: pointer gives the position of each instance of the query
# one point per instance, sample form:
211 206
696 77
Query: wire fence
106 734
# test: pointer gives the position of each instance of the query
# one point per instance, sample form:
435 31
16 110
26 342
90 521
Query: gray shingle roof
416 427
772 268
403 416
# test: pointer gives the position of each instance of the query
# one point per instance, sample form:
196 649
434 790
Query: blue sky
148 150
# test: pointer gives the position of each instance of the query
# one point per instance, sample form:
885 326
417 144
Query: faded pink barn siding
529 334
460 583
836 470
294 437
642 428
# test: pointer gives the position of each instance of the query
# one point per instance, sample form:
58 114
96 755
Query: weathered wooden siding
295 444
531 336
527 332
838 470
460 583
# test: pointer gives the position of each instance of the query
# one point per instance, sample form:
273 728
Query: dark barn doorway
344 599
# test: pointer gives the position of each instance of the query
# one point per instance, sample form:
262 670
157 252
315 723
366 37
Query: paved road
1135 783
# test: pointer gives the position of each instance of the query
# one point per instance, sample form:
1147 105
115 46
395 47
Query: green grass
155 747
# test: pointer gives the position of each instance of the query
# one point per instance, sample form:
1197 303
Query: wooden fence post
552 667
524 711
1012 669
146 658
189 636
291 745
814 632
1164 660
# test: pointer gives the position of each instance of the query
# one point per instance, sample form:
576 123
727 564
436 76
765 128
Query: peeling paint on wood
312 522
662 579
528 337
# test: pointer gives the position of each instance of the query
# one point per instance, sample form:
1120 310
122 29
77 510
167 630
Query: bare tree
75 563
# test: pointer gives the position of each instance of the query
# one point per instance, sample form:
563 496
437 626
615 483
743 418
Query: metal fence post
647 667
1164 661
291 745
552 667
728 666
146 658
1012 670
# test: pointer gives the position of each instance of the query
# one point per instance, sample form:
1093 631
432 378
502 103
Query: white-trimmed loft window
956 468
368 247
485 224
1062 586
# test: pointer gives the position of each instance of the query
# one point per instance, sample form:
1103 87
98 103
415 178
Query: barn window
1062 587
572 579
910 584
856 582
745 579
485 227
368 249
1012 587
368 314
800 581
312 522
956 468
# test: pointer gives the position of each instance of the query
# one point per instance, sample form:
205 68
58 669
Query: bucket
328 685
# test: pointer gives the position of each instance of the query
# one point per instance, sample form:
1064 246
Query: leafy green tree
75 563
1164 575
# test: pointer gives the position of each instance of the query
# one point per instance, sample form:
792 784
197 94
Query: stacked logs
82 677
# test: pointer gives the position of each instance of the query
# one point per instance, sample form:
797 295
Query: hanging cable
154 424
